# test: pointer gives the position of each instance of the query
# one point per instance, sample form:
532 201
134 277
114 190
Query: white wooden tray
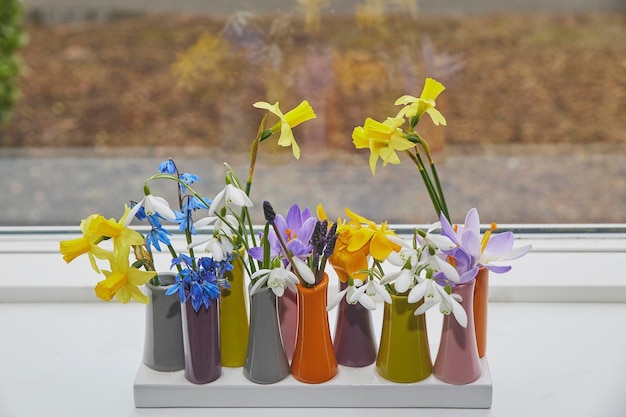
352 387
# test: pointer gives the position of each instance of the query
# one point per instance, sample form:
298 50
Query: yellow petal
360 239
301 113
108 287
436 116
380 246
73 248
432 89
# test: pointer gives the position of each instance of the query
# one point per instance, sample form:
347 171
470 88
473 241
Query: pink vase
457 359
288 317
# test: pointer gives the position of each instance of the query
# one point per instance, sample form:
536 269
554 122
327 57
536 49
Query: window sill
567 264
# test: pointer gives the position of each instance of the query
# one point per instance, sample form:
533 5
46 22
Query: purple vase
354 334
457 359
201 339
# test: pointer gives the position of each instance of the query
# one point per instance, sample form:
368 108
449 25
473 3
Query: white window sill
566 264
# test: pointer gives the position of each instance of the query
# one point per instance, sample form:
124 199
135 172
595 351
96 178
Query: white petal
367 302
354 296
205 221
133 211
303 270
418 292
448 270
459 313
336 300
217 202
404 281
382 291
257 285
390 277
159 205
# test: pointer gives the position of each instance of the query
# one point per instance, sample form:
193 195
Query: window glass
534 102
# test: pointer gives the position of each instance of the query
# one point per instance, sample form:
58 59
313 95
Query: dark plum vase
201 339
353 341
163 342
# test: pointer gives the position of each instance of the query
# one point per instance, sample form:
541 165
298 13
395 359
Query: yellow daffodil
123 281
117 230
416 107
346 263
87 244
383 140
373 237
292 118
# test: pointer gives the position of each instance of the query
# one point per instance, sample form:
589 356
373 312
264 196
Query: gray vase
163 344
266 361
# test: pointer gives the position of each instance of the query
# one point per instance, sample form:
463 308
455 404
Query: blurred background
95 94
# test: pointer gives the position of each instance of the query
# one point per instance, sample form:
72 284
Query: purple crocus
474 251
296 231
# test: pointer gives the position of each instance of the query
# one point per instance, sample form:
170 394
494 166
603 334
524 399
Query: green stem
442 199
427 181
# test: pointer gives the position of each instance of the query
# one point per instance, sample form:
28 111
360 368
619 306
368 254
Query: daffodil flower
121 234
292 118
231 197
374 236
416 107
275 279
87 244
123 281
382 139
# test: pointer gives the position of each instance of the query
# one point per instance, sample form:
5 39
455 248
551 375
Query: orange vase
313 359
481 296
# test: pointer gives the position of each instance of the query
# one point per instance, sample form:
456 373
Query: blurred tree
11 38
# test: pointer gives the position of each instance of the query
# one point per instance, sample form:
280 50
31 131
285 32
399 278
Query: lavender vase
457 359
354 334
201 338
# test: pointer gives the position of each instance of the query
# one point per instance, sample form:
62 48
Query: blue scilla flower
168 167
188 179
156 235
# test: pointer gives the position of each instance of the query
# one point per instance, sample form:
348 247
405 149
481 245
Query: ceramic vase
201 340
354 342
457 359
481 298
313 357
288 317
404 352
234 317
266 361
163 342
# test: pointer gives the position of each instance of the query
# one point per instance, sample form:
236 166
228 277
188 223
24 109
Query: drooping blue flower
188 179
168 167
156 235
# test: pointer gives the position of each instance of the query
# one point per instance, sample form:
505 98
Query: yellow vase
234 318
404 353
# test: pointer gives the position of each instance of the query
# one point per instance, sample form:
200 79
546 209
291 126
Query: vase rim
319 287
